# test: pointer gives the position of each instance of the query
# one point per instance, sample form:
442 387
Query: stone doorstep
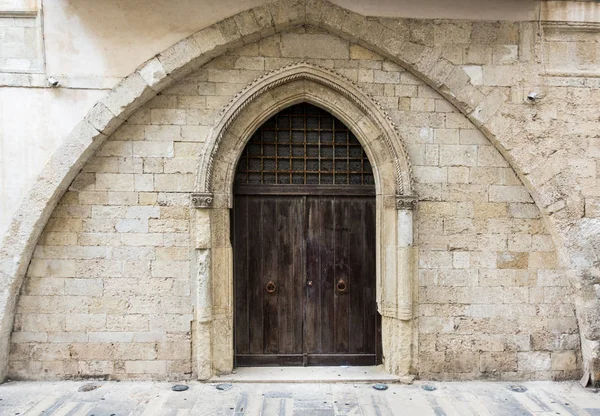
342 374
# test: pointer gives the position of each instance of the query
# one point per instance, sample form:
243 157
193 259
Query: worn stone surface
116 254
285 399
554 156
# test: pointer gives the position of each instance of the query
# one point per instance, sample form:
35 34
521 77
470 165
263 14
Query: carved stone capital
202 200
406 202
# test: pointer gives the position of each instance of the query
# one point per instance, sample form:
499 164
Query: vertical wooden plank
298 243
342 272
313 266
270 256
358 280
285 313
255 274
289 232
240 251
327 251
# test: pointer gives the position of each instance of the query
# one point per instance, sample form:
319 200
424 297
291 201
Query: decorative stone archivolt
332 80
382 143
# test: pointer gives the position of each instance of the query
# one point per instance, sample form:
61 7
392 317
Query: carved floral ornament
334 81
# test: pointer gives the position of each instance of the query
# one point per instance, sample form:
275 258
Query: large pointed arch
481 106
372 117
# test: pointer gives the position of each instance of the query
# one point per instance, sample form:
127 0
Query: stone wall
107 293
81 44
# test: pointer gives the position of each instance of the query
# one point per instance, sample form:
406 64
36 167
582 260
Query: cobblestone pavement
149 398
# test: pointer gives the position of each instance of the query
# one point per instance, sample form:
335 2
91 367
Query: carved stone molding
406 202
329 78
202 200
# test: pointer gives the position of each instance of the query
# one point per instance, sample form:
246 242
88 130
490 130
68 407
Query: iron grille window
304 145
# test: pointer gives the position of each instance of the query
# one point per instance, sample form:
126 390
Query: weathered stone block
175 58
493 362
103 119
314 45
509 194
146 367
128 96
154 74
458 155
287 13
534 361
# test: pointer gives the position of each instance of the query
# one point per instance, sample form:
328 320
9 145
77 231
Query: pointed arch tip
305 71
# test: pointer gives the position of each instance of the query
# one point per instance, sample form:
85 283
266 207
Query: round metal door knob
342 286
271 287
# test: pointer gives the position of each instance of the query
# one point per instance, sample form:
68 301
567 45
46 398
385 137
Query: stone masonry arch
302 82
485 107
343 89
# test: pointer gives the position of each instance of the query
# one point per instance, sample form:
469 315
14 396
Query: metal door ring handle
341 285
271 286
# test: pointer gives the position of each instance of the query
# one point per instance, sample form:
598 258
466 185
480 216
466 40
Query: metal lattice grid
304 145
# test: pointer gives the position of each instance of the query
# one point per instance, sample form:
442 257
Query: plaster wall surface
26 141
109 290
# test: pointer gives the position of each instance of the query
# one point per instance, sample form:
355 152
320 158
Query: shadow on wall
112 37
456 9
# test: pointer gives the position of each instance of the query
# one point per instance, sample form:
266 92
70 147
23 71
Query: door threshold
342 374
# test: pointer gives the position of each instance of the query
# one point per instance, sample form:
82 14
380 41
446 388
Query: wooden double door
304 268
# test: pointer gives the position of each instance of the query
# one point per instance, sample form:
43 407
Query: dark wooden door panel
319 252
359 280
290 236
341 308
268 248
254 297
342 273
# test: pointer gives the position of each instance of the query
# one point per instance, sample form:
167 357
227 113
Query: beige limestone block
509 194
534 361
146 367
313 45
458 155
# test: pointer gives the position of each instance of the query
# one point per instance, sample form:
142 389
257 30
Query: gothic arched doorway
304 245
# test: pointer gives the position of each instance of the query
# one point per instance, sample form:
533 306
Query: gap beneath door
311 375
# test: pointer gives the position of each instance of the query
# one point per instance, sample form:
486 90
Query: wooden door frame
212 330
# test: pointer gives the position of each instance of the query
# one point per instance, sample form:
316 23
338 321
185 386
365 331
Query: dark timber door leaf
304 245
